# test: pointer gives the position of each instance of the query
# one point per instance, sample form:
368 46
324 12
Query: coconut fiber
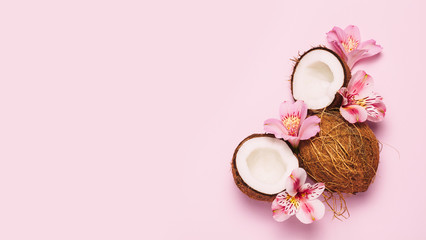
344 156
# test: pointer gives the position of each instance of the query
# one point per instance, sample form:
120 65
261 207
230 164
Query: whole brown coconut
344 156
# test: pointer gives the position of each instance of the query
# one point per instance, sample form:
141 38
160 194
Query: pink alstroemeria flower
360 102
293 125
299 199
348 45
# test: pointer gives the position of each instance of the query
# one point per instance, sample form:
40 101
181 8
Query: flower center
294 201
366 101
291 123
361 102
351 100
350 44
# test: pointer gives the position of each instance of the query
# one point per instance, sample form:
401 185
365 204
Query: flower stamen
293 200
361 102
350 44
292 124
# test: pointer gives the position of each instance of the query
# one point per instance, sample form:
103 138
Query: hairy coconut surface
318 69
344 156
261 164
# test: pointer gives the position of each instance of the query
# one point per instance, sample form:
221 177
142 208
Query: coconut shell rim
247 190
346 72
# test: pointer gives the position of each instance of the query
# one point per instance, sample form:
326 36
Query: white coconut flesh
265 163
317 77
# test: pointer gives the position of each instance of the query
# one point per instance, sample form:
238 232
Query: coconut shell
347 73
250 192
344 156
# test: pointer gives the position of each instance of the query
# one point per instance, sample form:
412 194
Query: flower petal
355 56
294 141
278 212
285 109
353 113
360 86
336 34
353 31
303 109
310 211
345 94
364 87
335 37
376 111
275 127
365 50
338 47
309 128
298 108
296 179
289 203
371 48
312 191
356 82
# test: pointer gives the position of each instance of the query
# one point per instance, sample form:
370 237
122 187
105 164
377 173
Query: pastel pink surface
119 118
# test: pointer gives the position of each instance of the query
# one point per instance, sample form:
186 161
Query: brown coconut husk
347 72
344 156
250 192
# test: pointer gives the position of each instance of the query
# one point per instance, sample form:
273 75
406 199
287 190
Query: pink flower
360 102
348 44
292 125
299 199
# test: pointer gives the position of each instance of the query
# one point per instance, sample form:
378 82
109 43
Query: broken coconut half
317 76
261 165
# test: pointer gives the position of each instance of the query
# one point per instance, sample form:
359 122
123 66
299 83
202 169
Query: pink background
118 119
